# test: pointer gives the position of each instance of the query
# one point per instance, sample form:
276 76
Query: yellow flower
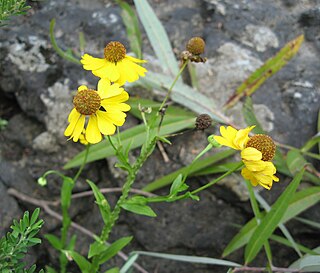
104 108
116 66
256 153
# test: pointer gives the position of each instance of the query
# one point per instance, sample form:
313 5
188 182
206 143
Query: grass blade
270 222
270 67
189 259
184 95
198 165
157 36
135 137
130 20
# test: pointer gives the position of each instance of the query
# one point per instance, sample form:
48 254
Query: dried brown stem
45 206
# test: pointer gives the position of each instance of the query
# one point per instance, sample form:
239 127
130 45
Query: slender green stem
218 179
83 164
66 220
173 84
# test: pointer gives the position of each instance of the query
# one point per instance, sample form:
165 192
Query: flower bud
196 45
213 142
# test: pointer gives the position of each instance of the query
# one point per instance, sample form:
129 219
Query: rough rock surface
36 89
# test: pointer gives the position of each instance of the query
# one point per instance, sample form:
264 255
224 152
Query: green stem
66 220
173 84
83 164
218 179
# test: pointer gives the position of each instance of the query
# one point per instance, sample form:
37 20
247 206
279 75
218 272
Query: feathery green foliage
14 246
10 8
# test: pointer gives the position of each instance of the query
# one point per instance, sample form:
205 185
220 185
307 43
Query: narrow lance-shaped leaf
130 20
271 66
157 37
301 201
270 222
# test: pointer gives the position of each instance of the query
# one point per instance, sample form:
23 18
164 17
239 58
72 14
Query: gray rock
9 209
259 37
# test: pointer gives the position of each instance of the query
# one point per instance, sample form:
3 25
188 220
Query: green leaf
176 185
114 248
81 261
286 242
270 222
96 248
189 259
215 169
130 20
157 37
72 242
295 160
66 191
313 141
54 241
184 95
270 67
308 222
130 261
34 216
139 209
113 270
250 118
198 165
310 263
102 202
136 136
301 201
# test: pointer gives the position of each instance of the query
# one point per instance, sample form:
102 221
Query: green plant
10 8
14 246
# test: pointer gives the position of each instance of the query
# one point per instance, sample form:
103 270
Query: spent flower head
116 66
194 48
256 153
99 111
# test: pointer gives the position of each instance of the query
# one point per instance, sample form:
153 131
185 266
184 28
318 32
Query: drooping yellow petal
251 153
113 107
242 137
107 90
130 71
78 128
105 124
255 166
74 115
118 118
109 71
91 63
135 60
73 119
93 134
227 136
249 176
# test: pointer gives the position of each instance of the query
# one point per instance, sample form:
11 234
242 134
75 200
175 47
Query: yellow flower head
100 111
116 66
256 153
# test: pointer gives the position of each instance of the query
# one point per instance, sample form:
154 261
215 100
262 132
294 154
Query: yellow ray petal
91 63
78 128
107 90
251 153
105 125
93 134
133 59
109 71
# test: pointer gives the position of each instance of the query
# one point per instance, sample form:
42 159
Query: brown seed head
264 144
196 45
114 52
87 102
203 121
